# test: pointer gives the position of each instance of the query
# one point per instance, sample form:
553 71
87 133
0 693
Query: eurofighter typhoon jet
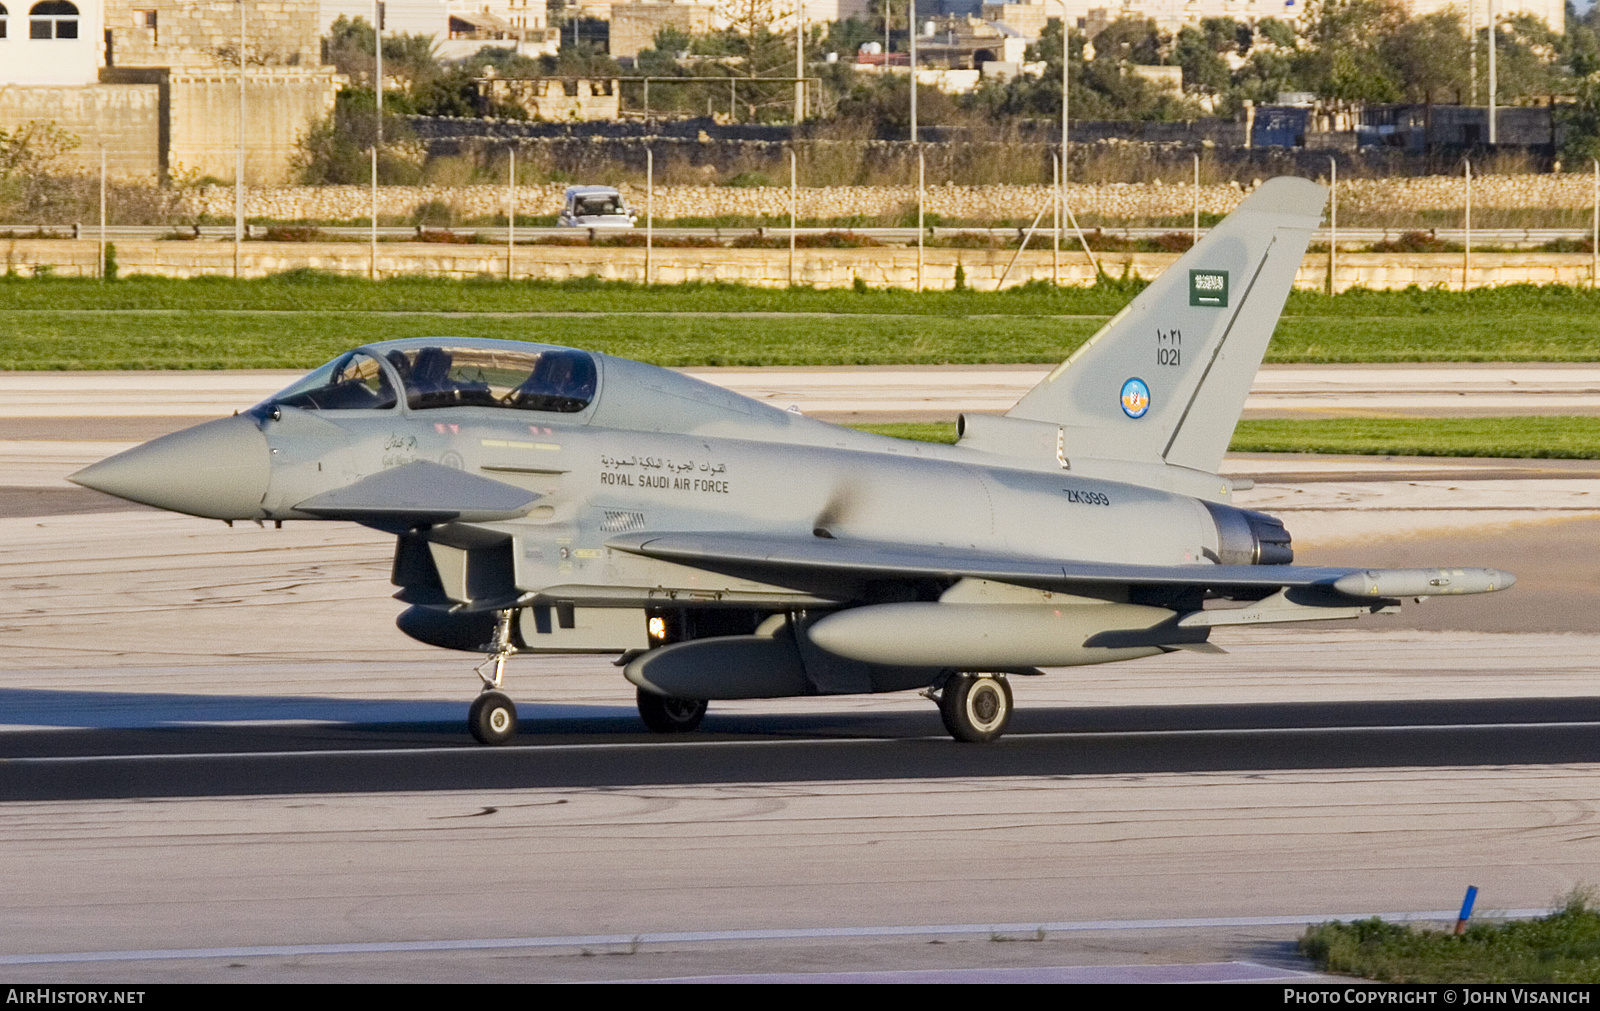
552 500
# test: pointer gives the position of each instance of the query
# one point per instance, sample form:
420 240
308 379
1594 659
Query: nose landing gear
493 716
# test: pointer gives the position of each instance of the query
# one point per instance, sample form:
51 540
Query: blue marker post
1466 909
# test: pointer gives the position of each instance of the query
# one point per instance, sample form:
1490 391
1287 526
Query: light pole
377 137
911 19
1493 83
799 61
238 166
1066 52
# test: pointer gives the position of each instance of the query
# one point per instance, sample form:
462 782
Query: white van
596 207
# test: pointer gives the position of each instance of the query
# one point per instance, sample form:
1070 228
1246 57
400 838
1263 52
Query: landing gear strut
493 716
975 707
666 715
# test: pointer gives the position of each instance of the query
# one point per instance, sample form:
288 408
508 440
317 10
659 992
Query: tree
1204 69
1430 57
1530 60
847 37
1279 33
1128 40
1582 125
410 60
1342 60
349 46
897 11
662 59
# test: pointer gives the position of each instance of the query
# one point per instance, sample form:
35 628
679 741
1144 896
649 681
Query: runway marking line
697 936
1168 972
506 749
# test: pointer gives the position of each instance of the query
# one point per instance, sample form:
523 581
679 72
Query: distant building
967 43
155 82
635 22
556 99
51 42
523 25
458 27
1089 15
408 17
634 25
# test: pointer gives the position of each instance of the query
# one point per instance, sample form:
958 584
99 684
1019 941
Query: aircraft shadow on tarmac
113 744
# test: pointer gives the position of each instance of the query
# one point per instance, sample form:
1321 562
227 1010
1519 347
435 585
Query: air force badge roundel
1135 398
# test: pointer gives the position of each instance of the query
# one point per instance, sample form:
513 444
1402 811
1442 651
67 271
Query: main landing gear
667 715
975 707
493 716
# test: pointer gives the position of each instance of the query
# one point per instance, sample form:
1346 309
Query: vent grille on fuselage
621 522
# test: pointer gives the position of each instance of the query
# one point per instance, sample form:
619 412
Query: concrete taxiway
217 751
183 771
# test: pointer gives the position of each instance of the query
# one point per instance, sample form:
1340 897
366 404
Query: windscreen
351 382
553 379
600 205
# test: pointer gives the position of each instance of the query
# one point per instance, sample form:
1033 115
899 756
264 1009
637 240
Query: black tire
667 715
975 707
492 718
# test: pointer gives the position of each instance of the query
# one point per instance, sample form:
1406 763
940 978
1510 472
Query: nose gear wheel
492 718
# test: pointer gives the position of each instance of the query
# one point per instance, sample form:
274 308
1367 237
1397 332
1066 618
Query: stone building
556 99
634 25
155 83
188 35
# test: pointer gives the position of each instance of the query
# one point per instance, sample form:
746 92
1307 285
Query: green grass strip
313 290
1561 948
1574 437
212 340
206 339
302 319
931 432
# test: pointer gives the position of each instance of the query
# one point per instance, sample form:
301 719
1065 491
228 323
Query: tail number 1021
1169 347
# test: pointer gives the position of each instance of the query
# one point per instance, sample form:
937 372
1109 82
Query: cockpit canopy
450 373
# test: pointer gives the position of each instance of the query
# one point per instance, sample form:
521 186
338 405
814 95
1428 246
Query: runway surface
872 393
215 749
180 770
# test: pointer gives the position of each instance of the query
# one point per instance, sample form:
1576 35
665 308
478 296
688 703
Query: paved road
889 392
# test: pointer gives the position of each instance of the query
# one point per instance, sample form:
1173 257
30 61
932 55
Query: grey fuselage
501 508
661 451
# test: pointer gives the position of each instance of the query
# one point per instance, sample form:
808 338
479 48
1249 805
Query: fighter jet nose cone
218 470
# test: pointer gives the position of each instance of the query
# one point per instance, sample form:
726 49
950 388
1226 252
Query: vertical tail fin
1165 380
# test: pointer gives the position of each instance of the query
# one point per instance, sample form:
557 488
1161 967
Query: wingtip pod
1422 582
